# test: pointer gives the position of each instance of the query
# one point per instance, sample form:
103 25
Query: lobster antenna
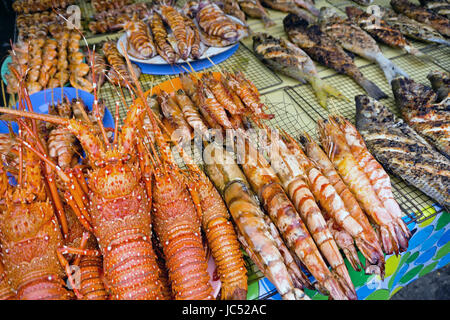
3 94
116 124
95 106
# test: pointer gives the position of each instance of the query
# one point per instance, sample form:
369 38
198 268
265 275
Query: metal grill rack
416 205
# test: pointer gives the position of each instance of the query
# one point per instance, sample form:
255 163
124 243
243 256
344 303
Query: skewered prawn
252 229
163 47
377 177
370 246
174 115
221 94
286 215
214 22
246 92
176 22
334 142
140 43
213 107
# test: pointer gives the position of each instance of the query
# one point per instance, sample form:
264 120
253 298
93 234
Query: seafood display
422 112
352 38
324 50
428 17
207 183
402 151
281 55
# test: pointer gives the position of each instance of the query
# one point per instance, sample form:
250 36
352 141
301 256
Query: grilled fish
325 51
380 30
420 110
438 22
289 6
254 9
283 56
412 28
402 151
232 8
441 7
440 81
354 39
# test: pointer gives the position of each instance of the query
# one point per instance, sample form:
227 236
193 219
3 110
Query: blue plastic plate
42 99
167 69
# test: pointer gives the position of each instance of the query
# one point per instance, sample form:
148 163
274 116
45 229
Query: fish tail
323 89
371 88
441 41
267 21
391 71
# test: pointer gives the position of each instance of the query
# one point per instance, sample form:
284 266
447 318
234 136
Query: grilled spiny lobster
113 204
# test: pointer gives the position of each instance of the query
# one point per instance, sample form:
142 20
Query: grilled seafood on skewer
324 50
119 72
175 21
232 8
286 216
402 151
409 9
423 113
392 237
441 7
159 32
281 55
139 40
254 234
352 38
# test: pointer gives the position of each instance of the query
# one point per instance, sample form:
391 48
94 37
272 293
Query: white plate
210 52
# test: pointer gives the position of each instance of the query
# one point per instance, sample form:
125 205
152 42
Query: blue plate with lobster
42 99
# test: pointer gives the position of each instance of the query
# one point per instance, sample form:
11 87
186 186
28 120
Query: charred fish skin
441 7
420 110
440 81
402 151
412 28
324 50
352 38
438 22
381 30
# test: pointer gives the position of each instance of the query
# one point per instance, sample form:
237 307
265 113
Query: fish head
293 21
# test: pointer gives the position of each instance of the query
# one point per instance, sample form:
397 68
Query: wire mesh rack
416 205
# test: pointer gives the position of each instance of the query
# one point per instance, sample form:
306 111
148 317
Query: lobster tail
92 286
133 269
44 287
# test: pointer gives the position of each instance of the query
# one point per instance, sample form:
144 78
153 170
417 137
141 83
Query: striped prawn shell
214 108
177 227
223 242
140 38
215 23
116 60
92 286
176 22
120 213
160 36
375 172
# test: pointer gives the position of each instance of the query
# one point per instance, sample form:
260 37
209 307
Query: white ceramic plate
210 52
